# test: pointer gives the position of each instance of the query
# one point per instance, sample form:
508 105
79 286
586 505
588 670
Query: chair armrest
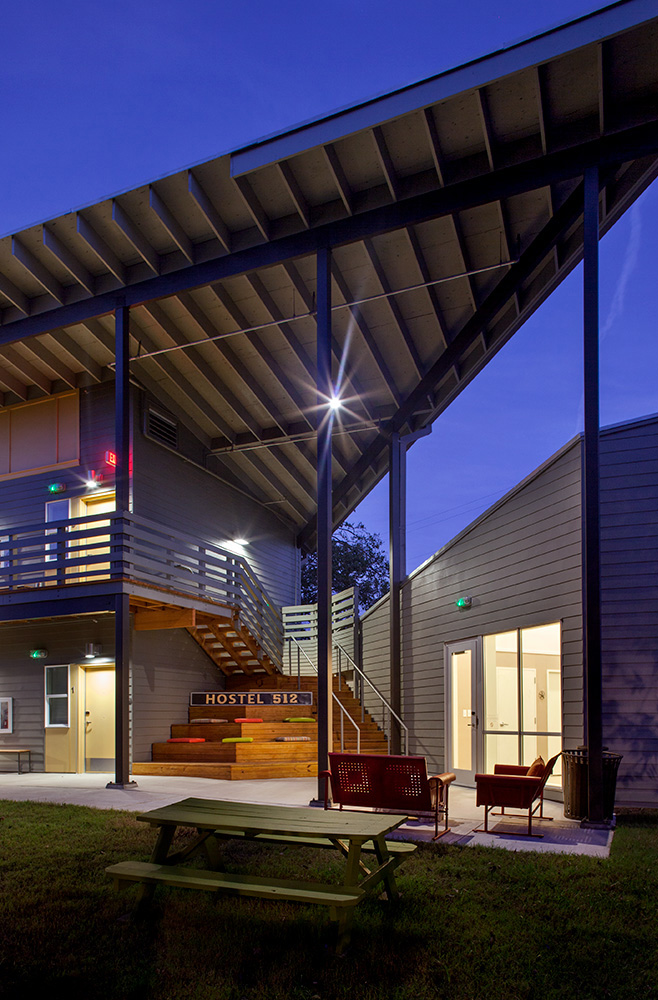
443 779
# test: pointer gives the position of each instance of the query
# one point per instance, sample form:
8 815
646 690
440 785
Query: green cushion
299 720
238 739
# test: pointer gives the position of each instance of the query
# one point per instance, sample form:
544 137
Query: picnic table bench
358 836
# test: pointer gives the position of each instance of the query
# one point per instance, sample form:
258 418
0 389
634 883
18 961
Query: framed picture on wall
6 715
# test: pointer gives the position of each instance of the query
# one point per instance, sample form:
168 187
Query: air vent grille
162 429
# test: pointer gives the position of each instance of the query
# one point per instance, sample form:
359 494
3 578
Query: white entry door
463 710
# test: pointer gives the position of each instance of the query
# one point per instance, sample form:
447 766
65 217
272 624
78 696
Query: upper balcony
160 569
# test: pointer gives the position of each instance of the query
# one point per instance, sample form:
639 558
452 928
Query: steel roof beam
97 244
295 193
135 237
38 270
171 329
212 216
173 227
612 149
385 372
349 378
77 270
79 354
435 145
12 384
253 206
339 178
57 367
17 298
264 354
386 163
394 307
26 369
427 277
196 313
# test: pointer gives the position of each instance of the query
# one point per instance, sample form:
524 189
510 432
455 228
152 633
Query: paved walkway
560 835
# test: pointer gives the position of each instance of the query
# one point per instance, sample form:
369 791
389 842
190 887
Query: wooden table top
209 814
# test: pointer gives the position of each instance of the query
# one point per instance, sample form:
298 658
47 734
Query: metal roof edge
549 44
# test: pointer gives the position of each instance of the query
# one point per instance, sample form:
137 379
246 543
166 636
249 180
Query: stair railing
344 714
360 680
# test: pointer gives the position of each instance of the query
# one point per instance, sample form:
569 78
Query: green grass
472 923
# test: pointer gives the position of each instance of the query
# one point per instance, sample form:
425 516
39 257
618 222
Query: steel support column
122 408
397 567
324 427
590 499
122 692
122 601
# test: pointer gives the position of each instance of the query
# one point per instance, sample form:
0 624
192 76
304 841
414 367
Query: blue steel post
324 521
122 601
397 571
590 491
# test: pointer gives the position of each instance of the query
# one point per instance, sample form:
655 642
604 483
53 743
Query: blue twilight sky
97 98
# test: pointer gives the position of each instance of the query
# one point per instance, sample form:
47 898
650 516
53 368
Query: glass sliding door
523 697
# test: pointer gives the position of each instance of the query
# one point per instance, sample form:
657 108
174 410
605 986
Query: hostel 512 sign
239 698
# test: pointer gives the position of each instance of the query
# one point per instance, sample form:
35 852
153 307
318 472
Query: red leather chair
511 787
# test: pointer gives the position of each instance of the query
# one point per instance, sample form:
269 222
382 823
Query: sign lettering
228 699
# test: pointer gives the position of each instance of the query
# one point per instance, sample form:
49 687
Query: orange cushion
186 739
536 768
247 720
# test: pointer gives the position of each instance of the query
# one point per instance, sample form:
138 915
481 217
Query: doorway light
94 479
93 650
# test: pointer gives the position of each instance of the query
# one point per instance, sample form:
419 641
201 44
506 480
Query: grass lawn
472 924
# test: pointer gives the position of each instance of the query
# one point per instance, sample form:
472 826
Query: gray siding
23 679
176 493
166 666
629 606
520 562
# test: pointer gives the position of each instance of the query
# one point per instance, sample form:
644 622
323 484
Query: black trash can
576 771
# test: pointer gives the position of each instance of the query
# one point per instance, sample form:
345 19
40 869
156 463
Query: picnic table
370 860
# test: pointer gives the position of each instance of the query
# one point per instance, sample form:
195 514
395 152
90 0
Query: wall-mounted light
56 487
463 603
237 545
335 403
38 654
94 479
92 650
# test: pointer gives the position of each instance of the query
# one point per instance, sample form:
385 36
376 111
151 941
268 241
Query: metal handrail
385 703
342 708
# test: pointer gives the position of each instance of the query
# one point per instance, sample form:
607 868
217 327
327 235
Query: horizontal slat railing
85 550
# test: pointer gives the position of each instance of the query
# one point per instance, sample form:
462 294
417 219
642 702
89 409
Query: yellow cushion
536 768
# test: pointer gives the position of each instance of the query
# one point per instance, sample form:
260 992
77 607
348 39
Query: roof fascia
549 45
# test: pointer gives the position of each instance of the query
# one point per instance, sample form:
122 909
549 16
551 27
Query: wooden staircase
264 757
230 644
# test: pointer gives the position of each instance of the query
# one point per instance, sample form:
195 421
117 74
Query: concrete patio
560 835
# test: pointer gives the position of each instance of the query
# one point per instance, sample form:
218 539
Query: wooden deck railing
85 550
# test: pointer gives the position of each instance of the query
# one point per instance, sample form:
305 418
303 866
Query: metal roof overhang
453 208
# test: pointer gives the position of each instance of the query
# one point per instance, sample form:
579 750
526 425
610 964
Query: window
523 696
57 696
39 435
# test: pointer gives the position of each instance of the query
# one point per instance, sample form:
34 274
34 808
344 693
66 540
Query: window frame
48 698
